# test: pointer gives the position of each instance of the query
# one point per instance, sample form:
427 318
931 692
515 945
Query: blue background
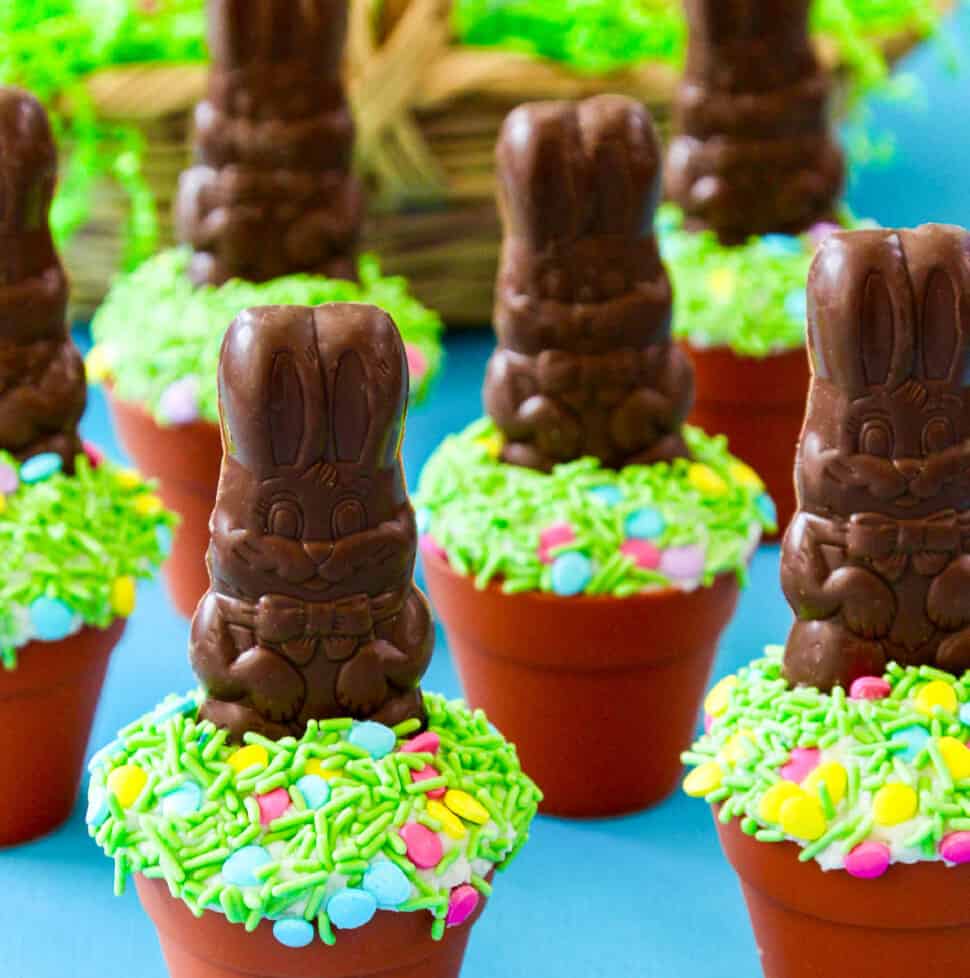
647 896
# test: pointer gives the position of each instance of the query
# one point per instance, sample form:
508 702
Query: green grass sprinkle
311 855
156 328
71 539
489 516
880 746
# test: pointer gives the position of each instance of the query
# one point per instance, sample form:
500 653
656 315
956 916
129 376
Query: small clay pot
392 945
808 923
47 707
759 403
599 694
185 460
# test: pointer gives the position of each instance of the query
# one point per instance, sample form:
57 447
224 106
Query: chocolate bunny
42 385
753 151
272 193
312 611
584 364
876 563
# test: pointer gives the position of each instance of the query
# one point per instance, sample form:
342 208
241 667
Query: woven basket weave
428 113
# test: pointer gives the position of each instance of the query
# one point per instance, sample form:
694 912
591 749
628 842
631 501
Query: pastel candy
93 454
557 535
293 932
272 805
965 714
242 864
767 508
417 361
425 743
869 688
9 480
41 467
461 905
936 695
782 244
423 846
914 737
127 783
426 774
163 535
705 480
422 519
801 763
955 847
179 403
51 618
466 807
868 860
375 738
796 305
246 758
123 596
98 810
894 803
685 563
387 884
184 800
182 707
819 232
608 495
956 756
571 573
645 555
315 791
431 548
645 524
351 908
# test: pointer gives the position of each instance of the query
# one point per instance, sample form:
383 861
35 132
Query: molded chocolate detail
272 192
876 563
42 385
754 152
312 611
584 364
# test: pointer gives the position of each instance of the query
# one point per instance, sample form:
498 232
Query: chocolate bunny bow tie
929 542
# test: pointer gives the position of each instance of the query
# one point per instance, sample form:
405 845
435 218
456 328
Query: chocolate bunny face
312 419
890 430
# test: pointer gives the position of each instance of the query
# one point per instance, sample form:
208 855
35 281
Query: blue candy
796 305
41 467
315 791
351 908
915 737
102 756
183 706
965 714
164 537
767 509
423 520
98 810
645 524
375 738
240 866
571 573
293 932
387 884
186 799
782 244
52 618
608 495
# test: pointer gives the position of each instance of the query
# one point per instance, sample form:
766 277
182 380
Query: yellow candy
894 803
3 502
736 749
449 822
462 803
98 365
253 755
745 475
936 694
803 818
719 698
148 505
126 784
835 778
769 808
703 780
315 766
492 444
704 479
123 596
721 283
957 757
129 479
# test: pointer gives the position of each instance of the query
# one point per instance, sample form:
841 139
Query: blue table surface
647 896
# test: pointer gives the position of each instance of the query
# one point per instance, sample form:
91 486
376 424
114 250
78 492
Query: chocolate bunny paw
362 683
947 603
868 603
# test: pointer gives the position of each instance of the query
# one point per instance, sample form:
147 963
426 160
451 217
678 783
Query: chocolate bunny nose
318 551
909 468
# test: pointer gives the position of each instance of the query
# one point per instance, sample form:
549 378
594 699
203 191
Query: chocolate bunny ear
725 21
861 316
366 371
938 259
271 390
542 173
28 164
623 153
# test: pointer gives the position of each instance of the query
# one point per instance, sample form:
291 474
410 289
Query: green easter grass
71 538
765 720
488 516
156 328
317 852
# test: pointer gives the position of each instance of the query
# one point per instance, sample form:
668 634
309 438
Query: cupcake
310 811
838 766
268 215
76 532
583 546
754 174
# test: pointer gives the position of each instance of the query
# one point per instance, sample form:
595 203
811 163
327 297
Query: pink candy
819 232
461 905
955 847
431 548
685 562
272 805
425 743
643 552
424 847
800 765
417 361
869 688
426 774
557 535
868 861
93 453
708 722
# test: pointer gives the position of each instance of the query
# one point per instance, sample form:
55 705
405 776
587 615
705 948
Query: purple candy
179 403
685 563
955 847
8 479
819 232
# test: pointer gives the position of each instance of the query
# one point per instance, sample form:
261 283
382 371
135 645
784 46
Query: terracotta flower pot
599 694
759 403
185 460
392 945
47 707
915 920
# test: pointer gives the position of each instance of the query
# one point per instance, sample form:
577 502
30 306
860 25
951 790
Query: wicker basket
428 113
